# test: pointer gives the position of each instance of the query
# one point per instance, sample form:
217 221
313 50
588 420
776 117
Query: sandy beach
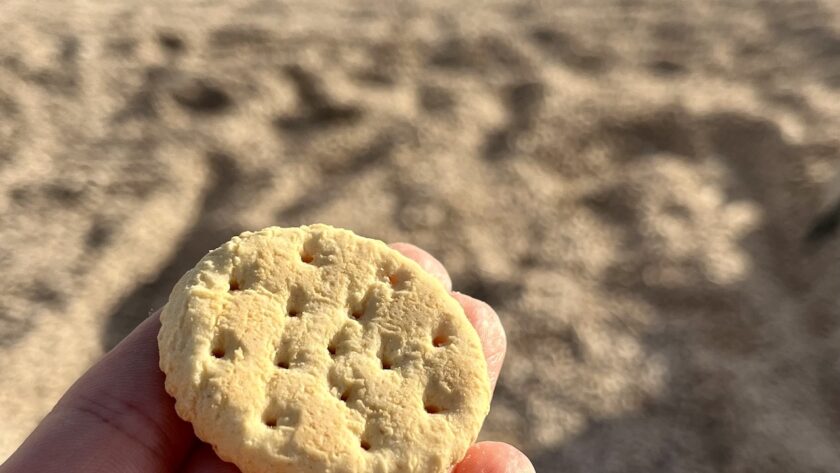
629 183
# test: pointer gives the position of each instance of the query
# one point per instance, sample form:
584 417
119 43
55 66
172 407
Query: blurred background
641 188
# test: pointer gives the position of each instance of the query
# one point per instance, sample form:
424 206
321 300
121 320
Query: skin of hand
118 418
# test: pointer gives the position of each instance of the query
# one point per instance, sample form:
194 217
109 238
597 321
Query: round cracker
312 349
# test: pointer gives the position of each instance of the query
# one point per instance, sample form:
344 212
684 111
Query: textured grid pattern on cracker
313 349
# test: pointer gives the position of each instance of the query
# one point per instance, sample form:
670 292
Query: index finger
482 317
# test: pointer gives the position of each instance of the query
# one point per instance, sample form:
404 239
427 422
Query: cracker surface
312 349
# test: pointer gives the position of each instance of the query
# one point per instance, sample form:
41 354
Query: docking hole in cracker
312 349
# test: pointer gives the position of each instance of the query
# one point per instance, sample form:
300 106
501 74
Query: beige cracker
312 349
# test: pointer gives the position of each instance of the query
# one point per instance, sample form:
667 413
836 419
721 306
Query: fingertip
494 457
426 261
489 327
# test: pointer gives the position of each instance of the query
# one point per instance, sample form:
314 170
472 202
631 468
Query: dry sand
628 183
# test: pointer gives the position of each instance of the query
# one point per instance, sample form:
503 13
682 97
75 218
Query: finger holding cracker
119 406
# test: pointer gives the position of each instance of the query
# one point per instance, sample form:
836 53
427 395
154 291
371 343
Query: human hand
118 418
